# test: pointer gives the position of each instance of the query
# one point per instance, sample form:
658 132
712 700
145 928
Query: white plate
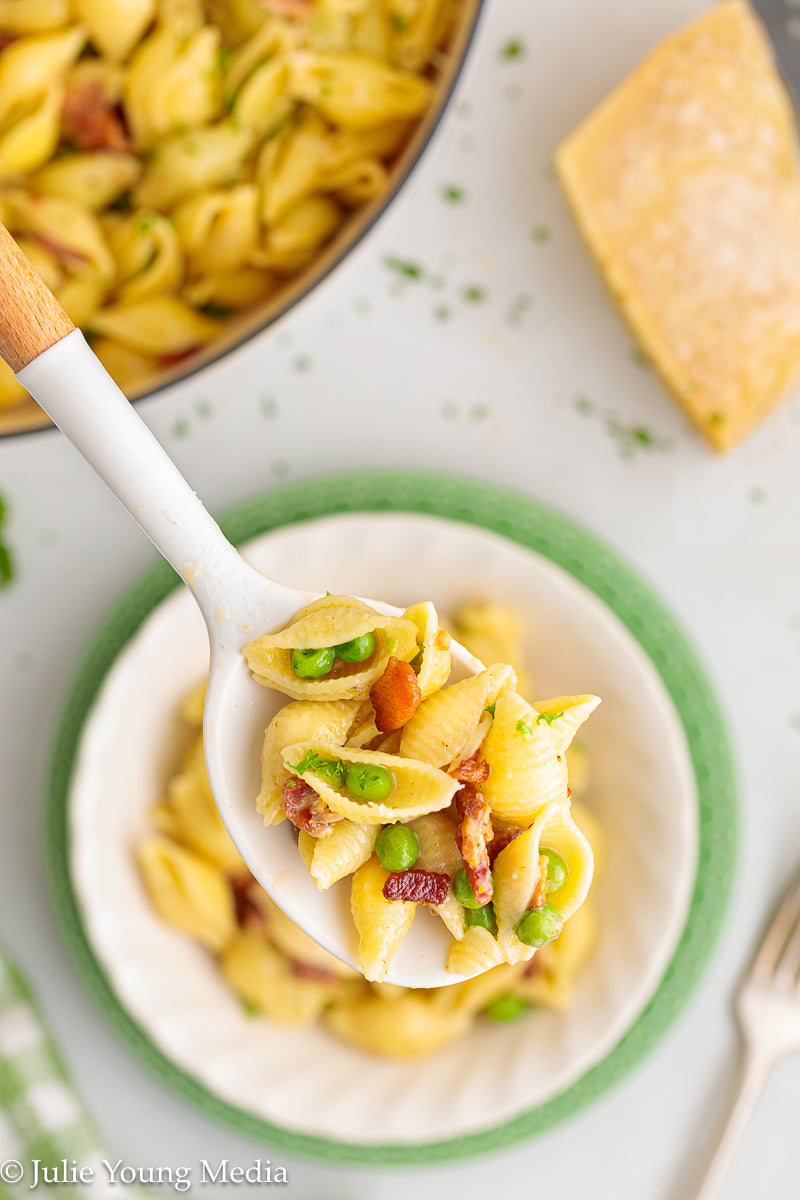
643 791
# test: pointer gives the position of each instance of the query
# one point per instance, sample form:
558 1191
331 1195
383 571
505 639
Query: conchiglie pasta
330 859
31 66
294 723
417 788
434 648
92 180
381 924
443 726
356 91
408 1027
330 621
33 16
476 951
264 979
565 715
187 891
156 325
115 26
526 768
516 874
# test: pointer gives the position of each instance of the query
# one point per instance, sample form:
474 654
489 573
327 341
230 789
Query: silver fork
768 1008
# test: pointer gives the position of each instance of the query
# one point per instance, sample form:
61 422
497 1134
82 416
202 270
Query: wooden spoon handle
31 319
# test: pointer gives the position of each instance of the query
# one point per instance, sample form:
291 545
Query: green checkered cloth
41 1117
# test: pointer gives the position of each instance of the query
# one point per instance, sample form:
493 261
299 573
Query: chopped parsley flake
716 418
443 312
454 194
310 761
583 405
181 428
391 645
548 718
302 363
399 22
541 234
524 729
514 48
490 709
250 1009
6 566
639 358
218 311
472 294
408 270
224 56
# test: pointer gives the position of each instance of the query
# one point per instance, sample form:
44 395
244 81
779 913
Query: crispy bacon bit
474 831
6 39
179 356
395 696
298 10
306 809
471 770
425 887
539 894
304 970
533 968
246 909
502 838
90 122
59 249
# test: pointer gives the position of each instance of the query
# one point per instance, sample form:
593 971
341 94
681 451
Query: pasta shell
188 892
381 924
408 1027
330 621
293 941
264 978
329 720
418 788
476 951
346 848
442 726
565 715
434 643
526 769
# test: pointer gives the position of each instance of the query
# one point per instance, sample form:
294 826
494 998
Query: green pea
540 925
358 649
312 664
462 890
557 870
365 781
483 917
506 1008
397 847
330 772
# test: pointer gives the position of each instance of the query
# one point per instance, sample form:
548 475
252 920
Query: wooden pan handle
31 319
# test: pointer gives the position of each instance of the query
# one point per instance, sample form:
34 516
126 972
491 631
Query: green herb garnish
548 718
217 311
399 22
473 294
490 709
409 270
454 194
524 729
540 233
515 48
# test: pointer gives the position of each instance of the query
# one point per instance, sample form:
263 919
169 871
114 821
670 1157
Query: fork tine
779 934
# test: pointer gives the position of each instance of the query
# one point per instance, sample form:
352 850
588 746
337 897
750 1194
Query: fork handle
750 1084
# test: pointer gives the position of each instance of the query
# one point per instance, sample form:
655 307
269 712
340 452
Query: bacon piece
474 831
6 39
178 356
471 770
501 839
246 909
305 809
425 887
395 696
91 122
304 970
298 10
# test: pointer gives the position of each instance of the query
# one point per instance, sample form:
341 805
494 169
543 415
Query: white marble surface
365 375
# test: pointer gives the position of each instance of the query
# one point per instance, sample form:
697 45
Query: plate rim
586 557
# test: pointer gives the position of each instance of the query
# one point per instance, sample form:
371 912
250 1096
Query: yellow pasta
434 648
381 924
192 869
442 728
526 767
247 133
417 788
330 621
293 723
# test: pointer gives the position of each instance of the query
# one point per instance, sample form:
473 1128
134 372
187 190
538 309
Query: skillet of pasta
531 945
169 165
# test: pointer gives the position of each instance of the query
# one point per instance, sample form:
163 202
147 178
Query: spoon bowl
54 363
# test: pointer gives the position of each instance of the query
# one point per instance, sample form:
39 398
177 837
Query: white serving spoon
53 361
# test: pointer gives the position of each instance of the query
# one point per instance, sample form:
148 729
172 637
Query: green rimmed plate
663 787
